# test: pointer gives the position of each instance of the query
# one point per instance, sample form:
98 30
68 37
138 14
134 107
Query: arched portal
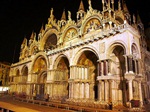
41 87
39 77
87 60
61 76
23 79
119 91
24 74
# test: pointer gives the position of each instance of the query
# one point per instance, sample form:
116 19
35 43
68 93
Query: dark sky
18 18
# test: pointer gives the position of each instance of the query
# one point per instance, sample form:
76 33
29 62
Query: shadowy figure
110 106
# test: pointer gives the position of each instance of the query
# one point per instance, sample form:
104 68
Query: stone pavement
7 102
17 106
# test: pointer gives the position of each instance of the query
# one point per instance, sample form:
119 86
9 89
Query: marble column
102 68
91 91
110 90
140 94
106 67
69 91
106 90
86 90
130 90
126 63
135 63
130 64
83 72
102 90
99 91
86 73
139 66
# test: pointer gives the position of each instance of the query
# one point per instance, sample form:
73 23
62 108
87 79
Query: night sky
19 18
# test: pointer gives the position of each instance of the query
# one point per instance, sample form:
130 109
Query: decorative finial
81 7
51 13
90 5
69 15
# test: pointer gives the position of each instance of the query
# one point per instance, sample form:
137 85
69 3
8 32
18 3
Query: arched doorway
41 87
39 77
23 79
119 91
62 74
88 59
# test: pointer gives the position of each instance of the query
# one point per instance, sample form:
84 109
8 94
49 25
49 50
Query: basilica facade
99 58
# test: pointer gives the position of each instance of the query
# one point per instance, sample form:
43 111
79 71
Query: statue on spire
69 15
90 5
51 13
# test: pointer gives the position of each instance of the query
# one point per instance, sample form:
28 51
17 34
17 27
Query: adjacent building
4 73
101 57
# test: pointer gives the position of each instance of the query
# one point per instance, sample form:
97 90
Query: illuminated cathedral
101 57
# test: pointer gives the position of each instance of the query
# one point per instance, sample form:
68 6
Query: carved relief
91 25
70 33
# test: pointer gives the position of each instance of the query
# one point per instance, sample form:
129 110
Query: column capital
130 77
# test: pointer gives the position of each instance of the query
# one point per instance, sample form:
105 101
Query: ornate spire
125 9
24 41
138 18
119 5
69 15
112 2
63 17
81 7
139 22
32 37
42 28
90 5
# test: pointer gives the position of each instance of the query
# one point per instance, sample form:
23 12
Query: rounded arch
40 55
24 70
70 32
112 45
116 54
135 50
46 36
92 21
42 77
86 59
86 48
58 59
119 20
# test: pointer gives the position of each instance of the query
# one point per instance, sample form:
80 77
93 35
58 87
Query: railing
66 106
